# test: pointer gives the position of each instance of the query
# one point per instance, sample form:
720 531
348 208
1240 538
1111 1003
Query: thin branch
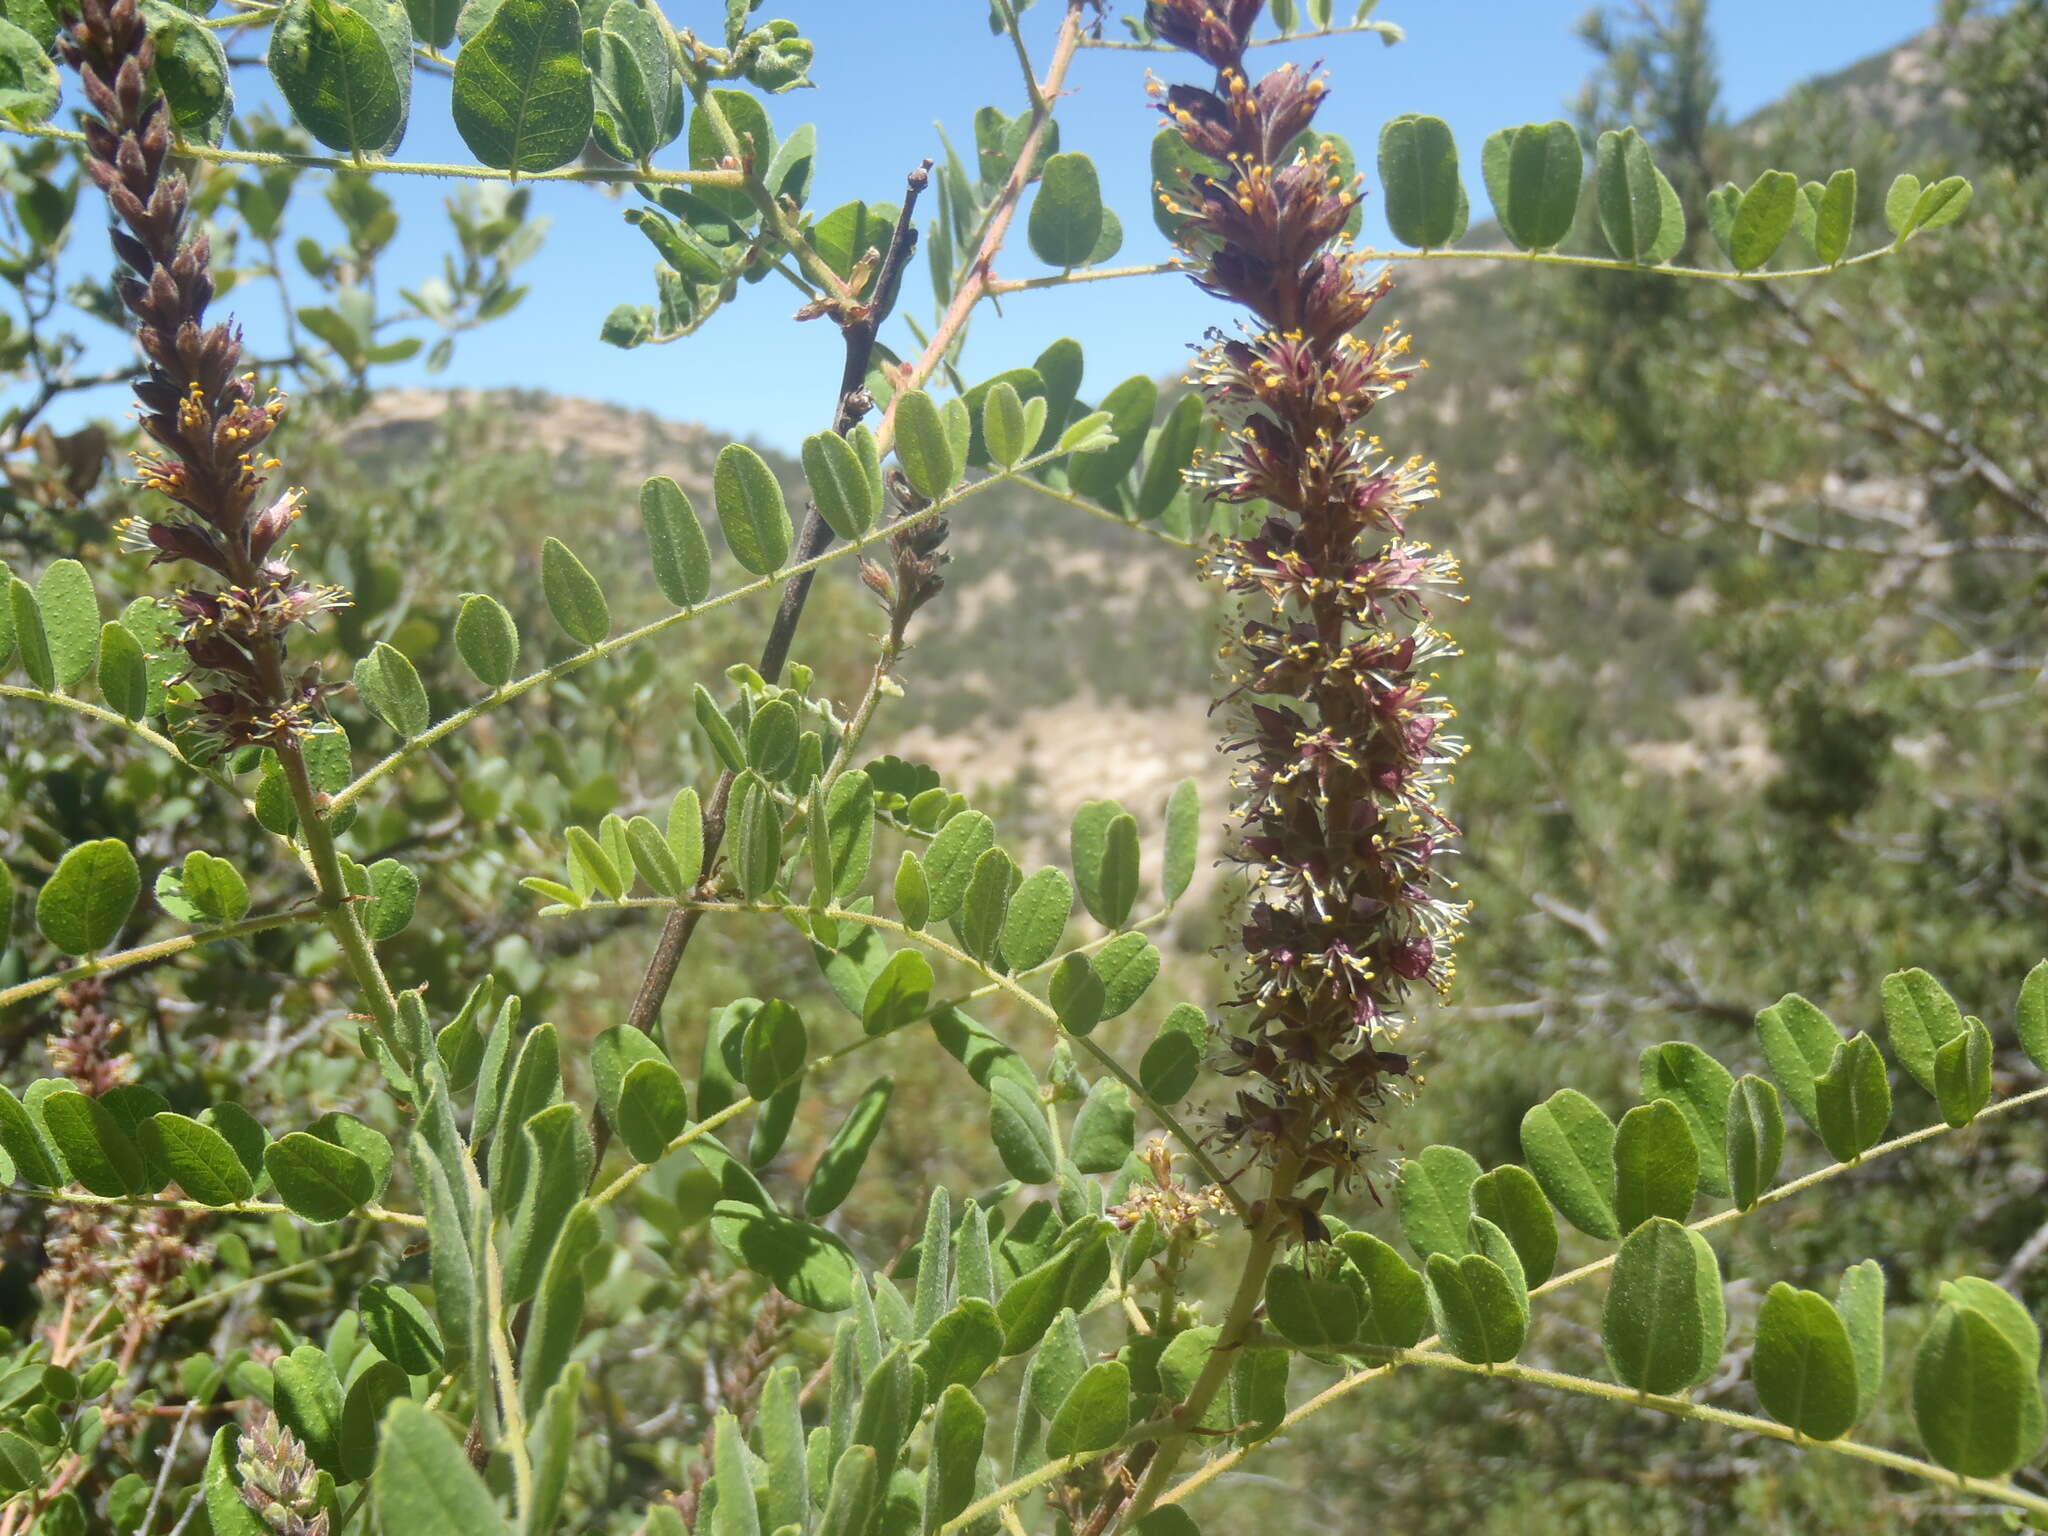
239 1208
601 174
162 949
852 403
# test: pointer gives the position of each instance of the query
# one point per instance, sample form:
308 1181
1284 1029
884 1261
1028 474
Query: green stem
239 1208
349 793
1237 1325
1683 1408
603 175
134 728
162 949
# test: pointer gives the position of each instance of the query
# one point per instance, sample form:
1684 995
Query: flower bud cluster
206 423
1342 739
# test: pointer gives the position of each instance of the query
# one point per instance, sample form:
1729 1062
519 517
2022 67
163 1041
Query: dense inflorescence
1342 740
207 424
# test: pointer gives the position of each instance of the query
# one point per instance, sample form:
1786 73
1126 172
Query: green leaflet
390 685
1656 1165
751 510
83 905
806 1263
1510 1198
1532 175
320 1181
71 621
1067 217
676 546
1663 1321
572 593
1103 845
424 1484
1418 163
1433 1193
29 90
1568 1143
522 96
845 497
1803 1365
487 639
345 67
923 447
1755 1137
1701 1088
199 1159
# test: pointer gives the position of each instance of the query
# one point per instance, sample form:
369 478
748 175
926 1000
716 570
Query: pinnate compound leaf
87 899
424 1484
1664 1320
1755 1138
523 99
1568 1143
487 639
1418 163
1656 1165
676 546
572 593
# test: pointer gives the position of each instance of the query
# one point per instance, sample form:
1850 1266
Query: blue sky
887 73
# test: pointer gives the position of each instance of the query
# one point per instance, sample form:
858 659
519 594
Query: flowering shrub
461 1296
